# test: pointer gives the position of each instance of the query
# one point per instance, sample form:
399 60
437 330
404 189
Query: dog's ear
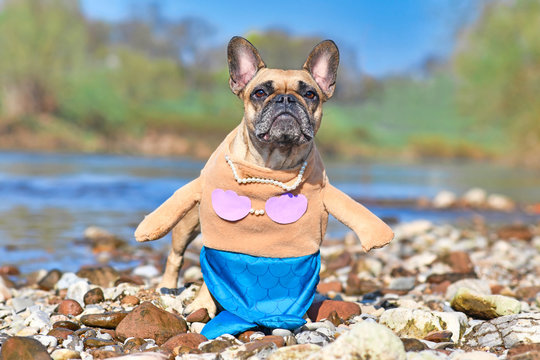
244 62
322 63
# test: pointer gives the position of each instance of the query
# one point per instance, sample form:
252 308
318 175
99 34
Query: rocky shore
436 292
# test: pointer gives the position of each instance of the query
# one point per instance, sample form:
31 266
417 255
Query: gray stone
506 331
281 332
21 303
312 337
365 340
402 283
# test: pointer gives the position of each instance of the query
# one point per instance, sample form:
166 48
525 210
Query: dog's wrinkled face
282 108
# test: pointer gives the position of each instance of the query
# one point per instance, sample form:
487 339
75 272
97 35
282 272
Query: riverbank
436 292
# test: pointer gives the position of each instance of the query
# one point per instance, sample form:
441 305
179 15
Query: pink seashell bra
284 209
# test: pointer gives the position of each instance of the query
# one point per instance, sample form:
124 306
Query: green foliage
499 69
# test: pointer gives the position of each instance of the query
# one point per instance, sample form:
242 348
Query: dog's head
282 107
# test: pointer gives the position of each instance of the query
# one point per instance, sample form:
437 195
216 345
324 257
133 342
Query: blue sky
388 37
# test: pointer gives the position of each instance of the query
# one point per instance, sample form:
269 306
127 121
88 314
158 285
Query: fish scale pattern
270 292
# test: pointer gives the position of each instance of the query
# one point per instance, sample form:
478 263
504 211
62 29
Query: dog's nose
285 98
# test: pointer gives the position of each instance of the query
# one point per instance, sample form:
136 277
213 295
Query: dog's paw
202 300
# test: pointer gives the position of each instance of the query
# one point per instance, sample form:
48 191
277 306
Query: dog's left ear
322 63
244 62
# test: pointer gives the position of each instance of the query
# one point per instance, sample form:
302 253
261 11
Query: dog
262 200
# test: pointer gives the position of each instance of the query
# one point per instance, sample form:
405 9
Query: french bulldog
264 192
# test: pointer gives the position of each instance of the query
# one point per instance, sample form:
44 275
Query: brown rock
357 286
528 293
149 322
325 288
216 345
94 342
188 340
106 354
400 271
334 318
340 261
9 270
130 300
278 340
245 336
66 325
451 277
344 309
520 232
23 348
103 276
524 352
412 344
94 296
439 336
440 288
133 344
460 262
49 281
70 307
200 315
60 334
109 320
130 279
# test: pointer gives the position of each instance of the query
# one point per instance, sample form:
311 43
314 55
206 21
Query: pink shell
229 206
287 208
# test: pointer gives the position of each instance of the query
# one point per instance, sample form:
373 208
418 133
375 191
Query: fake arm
159 222
372 231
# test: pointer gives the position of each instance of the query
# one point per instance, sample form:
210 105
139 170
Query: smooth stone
60 334
70 307
23 348
478 285
475 355
130 300
50 280
104 276
94 342
331 286
197 327
444 199
109 320
5 292
322 310
94 296
439 336
365 340
251 350
281 332
149 322
67 325
484 306
294 352
77 290
427 355
218 345
402 283
200 315
65 354
417 323
461 263
67 280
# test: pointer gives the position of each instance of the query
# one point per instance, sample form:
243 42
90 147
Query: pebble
295 352
49 281
23 348
149 322
344 309
70 307
109 320
147 271
484 306
312 337
94 296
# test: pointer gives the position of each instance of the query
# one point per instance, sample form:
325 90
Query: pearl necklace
267 181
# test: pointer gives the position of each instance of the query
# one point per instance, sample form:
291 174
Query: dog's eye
310 95
259 93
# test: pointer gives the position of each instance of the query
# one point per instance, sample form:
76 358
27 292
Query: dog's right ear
244 62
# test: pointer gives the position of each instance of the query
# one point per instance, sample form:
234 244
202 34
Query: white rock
38 319
312 337
147 271
281 332
426 355
67 280
65 354
77 290
418 323
476 285
142 356
21 303
412 229
444 199
197 327
294 352
193 273
506 331
5 293
473 355
475 197
47 341
365 340
500 202
121 289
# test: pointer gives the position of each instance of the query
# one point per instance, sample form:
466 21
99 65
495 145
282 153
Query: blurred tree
41 41
498 64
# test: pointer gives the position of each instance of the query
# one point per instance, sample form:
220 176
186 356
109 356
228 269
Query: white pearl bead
261 212
251 211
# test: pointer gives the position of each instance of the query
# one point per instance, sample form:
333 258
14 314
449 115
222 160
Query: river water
48 200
